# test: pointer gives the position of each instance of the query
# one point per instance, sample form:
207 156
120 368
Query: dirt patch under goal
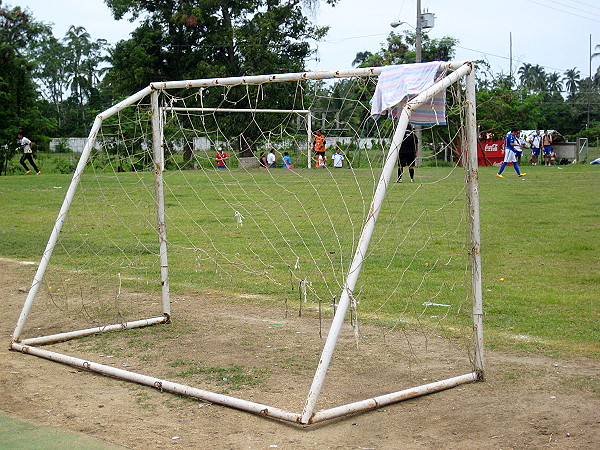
526 402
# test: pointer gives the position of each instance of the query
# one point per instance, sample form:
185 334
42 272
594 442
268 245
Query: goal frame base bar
41 340
235 402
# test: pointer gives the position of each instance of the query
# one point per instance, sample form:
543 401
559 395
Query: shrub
64 165
62 146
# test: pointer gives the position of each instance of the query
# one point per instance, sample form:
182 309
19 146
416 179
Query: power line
555 69
572 7
354 37
563 11
581 3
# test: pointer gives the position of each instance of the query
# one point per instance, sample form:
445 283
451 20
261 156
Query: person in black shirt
407 154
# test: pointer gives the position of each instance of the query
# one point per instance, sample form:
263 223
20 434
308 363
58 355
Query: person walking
25 145
407 154
511 144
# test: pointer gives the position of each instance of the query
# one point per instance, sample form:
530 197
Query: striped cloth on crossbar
399 84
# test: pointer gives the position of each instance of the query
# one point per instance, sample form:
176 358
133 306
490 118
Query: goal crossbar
308 414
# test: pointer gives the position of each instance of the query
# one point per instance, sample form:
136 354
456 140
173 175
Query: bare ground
526 401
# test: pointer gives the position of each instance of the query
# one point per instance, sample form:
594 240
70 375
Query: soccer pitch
540 247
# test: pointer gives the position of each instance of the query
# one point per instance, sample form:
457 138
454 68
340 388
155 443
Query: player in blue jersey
511 146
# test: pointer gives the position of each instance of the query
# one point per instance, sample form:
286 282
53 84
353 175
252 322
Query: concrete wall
203 144
76 144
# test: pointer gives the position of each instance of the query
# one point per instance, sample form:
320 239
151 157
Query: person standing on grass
407 154
221 158
319 149
511 144
536 144
547 144
519 147
25 145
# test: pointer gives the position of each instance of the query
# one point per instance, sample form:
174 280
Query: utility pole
510 54
419 36
427 23
590 85
418 45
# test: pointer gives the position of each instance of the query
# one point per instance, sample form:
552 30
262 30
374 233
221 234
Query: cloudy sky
552 33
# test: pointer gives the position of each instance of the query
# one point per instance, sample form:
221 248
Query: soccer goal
357 287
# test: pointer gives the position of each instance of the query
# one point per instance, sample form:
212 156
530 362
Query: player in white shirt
337 159
25 145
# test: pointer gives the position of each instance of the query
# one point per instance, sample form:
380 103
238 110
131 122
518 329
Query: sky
552 33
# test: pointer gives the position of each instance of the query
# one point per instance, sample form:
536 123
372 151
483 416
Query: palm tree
77 41
554 84
571 80
539 76
525 74
597 53
532 77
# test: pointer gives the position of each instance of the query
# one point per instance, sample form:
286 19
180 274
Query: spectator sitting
271 159
287 161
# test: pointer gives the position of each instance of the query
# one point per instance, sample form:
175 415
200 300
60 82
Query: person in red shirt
221 159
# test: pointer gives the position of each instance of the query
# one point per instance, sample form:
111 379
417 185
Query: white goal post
458 72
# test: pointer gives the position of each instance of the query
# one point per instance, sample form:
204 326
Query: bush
64 165
62 147
592 133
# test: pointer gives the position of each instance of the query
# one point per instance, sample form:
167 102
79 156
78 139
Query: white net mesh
280 238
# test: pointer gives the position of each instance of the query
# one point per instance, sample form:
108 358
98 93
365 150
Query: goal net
201 206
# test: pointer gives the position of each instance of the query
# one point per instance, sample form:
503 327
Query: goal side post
66 205
368 228
159 167
473 204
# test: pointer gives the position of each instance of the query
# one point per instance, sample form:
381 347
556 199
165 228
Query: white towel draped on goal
399 84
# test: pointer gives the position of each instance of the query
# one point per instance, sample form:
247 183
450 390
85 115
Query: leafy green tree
83 59
19 36
51 75
361 58
499 109
585 105
181 39
400 49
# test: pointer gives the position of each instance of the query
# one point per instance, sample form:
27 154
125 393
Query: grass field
540 234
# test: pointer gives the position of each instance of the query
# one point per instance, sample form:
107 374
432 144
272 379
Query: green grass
541 234
229 378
